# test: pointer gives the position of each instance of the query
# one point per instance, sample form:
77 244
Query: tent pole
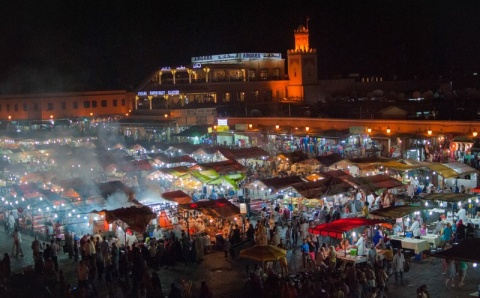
188 224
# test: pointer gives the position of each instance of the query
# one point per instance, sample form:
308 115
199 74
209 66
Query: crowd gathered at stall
304 226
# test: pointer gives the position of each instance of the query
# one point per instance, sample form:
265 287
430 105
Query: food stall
398 213
338 229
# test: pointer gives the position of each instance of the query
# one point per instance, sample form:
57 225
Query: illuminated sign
251 55
223 128
236 56
173 92
157 92
222 122
142 93
197 65
166 68
180 67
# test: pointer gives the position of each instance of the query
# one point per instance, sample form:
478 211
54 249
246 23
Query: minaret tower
302 65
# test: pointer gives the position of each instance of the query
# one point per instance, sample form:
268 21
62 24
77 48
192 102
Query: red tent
337 228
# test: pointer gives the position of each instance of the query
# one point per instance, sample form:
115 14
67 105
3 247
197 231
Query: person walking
83 274
462 268
451 272
398 265
17 244
55 249
305 250
35 247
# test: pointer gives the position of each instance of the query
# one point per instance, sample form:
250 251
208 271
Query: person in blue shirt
447 233
397 229
305 252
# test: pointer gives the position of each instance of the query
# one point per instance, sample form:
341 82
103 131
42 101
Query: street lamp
173 71
189 71
429 131
150 98
369 130
159 78
206 70
388 129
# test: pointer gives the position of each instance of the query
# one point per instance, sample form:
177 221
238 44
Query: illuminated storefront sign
157 92
166 68
222 122
236 56
173 92
197 65
142 93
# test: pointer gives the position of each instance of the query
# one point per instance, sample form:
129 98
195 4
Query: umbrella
464 251
263 253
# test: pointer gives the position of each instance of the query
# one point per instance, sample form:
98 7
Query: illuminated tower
302 67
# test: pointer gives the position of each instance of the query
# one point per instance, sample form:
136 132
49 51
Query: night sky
99 45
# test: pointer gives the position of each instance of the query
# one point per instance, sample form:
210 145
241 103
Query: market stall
338 229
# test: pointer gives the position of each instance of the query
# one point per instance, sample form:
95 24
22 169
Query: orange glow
389 130
277 126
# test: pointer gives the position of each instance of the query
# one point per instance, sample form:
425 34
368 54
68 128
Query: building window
267 95
64 105
276 73
115 102
263 74
251 74
50 106
35 106
226 97
75 105
8 107
94 103
123 102
254 96
104 103
86 104
241 96
25 108
15 107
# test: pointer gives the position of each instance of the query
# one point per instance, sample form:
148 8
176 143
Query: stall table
417 245
351 259
433 239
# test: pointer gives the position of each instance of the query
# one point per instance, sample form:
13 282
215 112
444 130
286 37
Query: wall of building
65 105
378 127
